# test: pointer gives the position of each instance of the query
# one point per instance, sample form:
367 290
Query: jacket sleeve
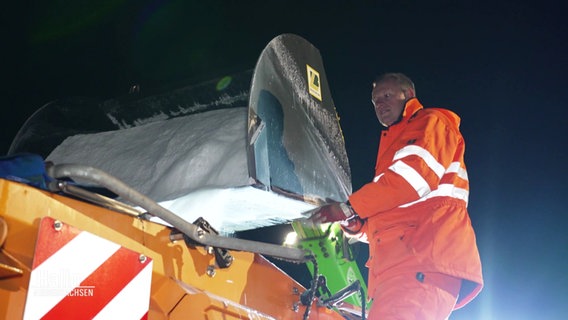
422 153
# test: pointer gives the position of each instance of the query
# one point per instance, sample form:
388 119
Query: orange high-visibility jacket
414 210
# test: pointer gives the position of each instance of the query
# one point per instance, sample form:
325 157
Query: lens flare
224 83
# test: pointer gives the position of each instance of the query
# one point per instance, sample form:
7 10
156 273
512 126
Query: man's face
389 100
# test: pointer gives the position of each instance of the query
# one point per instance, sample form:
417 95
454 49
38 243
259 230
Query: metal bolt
200 232
142 258
211 271
57 225
295 291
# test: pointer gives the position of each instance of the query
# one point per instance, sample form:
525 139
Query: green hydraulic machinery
335 262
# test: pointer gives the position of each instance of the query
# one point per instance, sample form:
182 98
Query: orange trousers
415 296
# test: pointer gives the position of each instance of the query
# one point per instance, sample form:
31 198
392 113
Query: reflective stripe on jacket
415 207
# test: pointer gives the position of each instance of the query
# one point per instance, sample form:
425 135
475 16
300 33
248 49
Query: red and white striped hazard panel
78 275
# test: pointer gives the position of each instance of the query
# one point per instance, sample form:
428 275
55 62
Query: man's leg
416 296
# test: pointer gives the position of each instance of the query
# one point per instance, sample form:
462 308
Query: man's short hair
400 78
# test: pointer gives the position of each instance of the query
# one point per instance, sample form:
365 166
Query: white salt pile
195 166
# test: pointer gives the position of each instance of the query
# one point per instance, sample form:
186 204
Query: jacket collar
410 108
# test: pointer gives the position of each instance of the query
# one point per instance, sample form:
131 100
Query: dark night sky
501 67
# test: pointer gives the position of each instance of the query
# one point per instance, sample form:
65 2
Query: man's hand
337 211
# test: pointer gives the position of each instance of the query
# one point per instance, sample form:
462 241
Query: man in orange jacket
423 261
